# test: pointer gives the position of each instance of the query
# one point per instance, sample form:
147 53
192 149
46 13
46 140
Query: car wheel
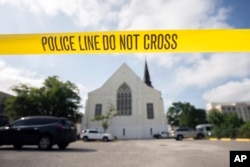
17 146
45 143
200 136
105 139
62 145
179 137
85 138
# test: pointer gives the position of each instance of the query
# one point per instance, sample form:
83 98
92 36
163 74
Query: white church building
139 106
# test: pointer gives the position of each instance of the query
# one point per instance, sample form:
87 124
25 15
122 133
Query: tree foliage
224 124
54 98
106 117
185 114
215 117
173 114
245 130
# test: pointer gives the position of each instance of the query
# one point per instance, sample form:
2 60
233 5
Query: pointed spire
146 75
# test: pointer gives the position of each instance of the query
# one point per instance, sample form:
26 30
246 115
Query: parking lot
160 153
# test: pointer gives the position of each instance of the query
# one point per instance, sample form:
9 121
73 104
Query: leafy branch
106 117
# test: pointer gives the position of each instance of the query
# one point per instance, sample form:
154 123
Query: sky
197 78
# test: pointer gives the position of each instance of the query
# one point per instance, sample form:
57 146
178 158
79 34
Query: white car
161 135
94 134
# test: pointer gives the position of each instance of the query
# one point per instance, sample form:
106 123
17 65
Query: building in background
241 109
139 106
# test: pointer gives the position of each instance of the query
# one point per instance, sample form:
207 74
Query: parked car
160 135
205 129
94 134
44 131
186 132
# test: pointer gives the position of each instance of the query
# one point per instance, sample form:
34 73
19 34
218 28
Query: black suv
44 131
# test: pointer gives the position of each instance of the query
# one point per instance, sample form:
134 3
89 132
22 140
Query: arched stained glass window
124 100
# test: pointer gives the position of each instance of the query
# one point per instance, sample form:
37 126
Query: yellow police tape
226 40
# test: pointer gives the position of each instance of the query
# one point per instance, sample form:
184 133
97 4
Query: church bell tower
146 75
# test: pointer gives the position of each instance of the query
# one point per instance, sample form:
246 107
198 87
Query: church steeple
146 75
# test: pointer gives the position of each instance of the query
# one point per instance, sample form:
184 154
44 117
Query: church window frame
98 109
124 100
150 110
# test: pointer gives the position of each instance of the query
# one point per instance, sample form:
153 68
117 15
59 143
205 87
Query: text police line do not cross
109 42
139 41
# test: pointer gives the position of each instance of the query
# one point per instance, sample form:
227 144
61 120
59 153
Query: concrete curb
225 139
213 139
243 139
229 139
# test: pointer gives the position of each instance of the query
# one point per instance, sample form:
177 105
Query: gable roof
123 68
124 74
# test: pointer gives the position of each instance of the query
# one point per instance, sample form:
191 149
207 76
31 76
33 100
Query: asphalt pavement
126 153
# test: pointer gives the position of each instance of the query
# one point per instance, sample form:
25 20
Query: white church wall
133 126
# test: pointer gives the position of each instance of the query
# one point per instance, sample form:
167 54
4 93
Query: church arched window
124 100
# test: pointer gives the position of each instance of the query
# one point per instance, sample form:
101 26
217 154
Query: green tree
245 130
192 117
185 114
224 124
106 117
54 98
173 114
215 117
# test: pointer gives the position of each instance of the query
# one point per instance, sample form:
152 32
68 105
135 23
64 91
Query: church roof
124 68
124 74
